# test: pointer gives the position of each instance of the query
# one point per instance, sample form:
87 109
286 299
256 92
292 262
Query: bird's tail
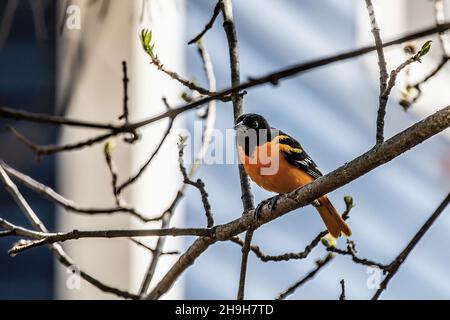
333 221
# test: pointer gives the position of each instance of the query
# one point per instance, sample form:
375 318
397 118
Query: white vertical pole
99 46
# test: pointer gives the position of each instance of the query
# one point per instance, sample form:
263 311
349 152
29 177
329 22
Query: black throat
252 138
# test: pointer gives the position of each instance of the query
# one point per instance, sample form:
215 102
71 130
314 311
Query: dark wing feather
297 156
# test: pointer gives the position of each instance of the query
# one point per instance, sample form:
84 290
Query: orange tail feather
332 219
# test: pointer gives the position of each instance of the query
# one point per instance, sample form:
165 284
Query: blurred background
49 68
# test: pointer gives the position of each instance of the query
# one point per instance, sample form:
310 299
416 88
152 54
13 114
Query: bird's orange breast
269 169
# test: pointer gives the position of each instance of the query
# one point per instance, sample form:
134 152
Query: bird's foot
272 202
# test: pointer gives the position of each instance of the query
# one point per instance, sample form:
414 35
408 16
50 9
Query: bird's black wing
297 156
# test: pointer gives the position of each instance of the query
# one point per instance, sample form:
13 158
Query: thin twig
55 120
199 184
342 296
230 30
417 86
133 137
142 245
40 151
142 169
125 80
351 251
57 250
383 72
148 45
247 196
77 234
320 264
107 151
445 46
400 259
209 123
67 204
13 230
272 78
297 255
286 256
244 260
209 25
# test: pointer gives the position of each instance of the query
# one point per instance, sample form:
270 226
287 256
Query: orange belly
271 171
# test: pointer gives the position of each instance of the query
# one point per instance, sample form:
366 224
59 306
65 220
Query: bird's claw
272 202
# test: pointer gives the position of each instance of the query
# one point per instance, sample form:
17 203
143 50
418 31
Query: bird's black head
252 121
252 130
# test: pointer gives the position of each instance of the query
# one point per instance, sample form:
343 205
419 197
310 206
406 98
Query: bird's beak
239 125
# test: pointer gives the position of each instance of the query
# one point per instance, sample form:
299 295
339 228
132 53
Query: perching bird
278 163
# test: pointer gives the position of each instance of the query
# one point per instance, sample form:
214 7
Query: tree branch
400 259
199 184
143 245
342 296
51 238
40 151
142 169
209 123
57 250
272 78
67 204
320 264
351 251
209 25
247 196
383 72
352 170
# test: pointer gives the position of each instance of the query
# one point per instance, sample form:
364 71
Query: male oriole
278 163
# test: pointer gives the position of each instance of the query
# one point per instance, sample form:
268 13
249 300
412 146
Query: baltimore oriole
278 163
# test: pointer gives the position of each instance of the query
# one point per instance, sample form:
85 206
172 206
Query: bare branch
400 259
298 255
247 196
40 151
134 178
272 78
320 264
199 184
146 41
209 25
55 120
57 250
67 204
206 139
342 296
142 245
351 251
125 80
76 234
383 72
283 257
13 230
445 46
244 260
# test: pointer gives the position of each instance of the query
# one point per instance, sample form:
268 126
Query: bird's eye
255 124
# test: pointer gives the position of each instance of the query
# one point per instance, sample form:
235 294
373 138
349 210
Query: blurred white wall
90 63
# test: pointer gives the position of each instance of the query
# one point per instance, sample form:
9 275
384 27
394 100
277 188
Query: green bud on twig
423 51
